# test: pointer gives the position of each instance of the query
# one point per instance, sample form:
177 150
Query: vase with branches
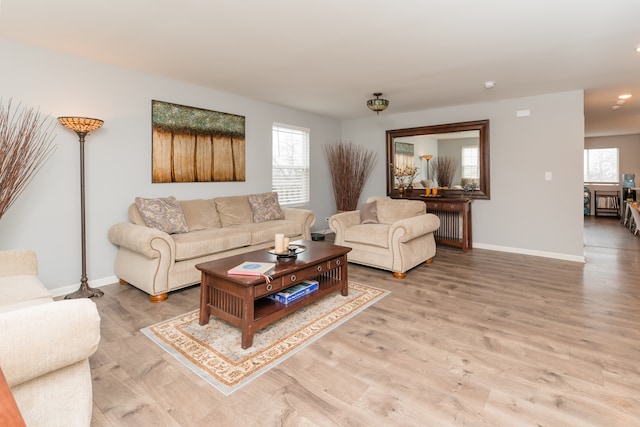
444 168
350 166
26 142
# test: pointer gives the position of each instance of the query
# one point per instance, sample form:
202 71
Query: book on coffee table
252 268
295 292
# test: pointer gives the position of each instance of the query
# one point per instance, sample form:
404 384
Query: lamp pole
82 126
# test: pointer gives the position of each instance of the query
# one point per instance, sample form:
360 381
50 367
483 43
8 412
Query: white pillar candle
286 244
279 246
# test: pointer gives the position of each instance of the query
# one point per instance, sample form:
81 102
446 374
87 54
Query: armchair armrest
306 217
18 262
339 223
150 242
409 228
46 337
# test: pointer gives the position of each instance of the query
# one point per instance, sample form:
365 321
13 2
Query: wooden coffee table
241 300
9 412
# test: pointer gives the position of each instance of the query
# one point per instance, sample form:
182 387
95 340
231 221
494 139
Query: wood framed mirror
465 145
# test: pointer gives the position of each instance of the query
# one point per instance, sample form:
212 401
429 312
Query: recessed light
615 107
489 84
637 48
625 96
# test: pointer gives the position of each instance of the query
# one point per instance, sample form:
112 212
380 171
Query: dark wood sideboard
455 219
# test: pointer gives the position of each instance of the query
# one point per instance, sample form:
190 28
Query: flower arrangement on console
405 175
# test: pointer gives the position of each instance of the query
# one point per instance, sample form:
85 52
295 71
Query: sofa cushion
209 241
22 291
393 210
265 207
164 214
234 210
368 213
265 232
368 234
200 214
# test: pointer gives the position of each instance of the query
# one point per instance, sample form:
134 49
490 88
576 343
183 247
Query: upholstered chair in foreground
390 234
45 346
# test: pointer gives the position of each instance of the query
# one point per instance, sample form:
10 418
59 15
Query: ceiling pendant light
377 104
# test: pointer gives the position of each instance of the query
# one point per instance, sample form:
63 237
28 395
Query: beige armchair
390 234
46 346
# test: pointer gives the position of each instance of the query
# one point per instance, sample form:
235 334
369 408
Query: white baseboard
65 290
554 255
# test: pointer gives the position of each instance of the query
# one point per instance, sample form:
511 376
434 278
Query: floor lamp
82 126
427 158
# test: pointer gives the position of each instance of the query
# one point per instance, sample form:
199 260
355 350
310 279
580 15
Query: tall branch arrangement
350 166
25 144
444 168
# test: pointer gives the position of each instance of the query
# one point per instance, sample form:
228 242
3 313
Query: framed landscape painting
196 145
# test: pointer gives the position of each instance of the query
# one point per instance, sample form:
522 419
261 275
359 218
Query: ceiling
329 57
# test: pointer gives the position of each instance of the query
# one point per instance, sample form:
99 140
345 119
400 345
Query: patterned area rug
214 353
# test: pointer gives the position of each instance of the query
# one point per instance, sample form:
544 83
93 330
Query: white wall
46 217
526 213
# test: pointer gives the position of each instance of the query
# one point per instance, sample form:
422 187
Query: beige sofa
390 234
45 346
157 261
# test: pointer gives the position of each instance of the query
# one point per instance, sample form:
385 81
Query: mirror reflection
447 160
451 157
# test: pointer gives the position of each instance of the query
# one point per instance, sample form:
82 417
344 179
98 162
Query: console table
455 220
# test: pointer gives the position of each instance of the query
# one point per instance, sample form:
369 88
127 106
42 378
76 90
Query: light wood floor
478 339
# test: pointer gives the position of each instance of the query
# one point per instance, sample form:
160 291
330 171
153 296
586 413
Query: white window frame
602 166
470 170
290 164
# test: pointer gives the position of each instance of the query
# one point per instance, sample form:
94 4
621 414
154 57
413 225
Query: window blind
290 164
470 162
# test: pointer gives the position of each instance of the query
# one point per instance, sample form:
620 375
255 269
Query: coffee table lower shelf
266 311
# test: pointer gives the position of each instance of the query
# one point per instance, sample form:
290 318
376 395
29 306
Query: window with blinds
470 162
290 164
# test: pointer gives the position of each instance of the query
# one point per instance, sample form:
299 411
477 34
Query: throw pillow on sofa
369 213
265 207
165 214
